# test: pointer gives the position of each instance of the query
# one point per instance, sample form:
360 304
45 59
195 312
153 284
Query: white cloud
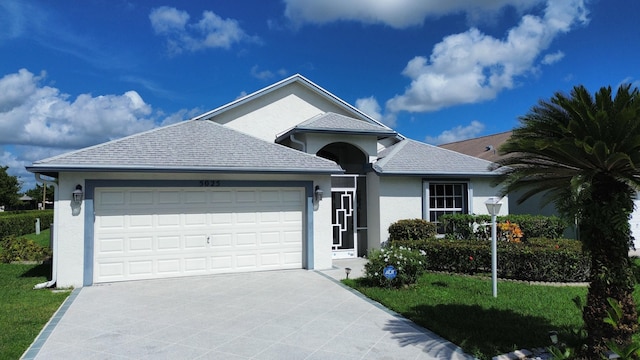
370 107
457 133
394 13
211 31
266 74
552 58
39 121
471 67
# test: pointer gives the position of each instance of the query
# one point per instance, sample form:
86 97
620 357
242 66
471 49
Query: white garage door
143 233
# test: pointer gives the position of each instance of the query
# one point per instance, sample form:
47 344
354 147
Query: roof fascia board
378 134
52 169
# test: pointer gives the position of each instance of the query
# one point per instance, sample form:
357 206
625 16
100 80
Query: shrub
475 227
23 223
14 248
409 263
411 229
538 226
558 260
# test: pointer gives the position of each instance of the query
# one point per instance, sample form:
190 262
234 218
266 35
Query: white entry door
144 233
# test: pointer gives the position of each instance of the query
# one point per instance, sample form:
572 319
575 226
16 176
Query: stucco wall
276 112
400 198
482 189
71 219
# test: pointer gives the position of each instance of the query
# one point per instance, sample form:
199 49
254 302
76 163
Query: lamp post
493 207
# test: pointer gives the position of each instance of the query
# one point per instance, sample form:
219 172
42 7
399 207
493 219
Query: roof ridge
395 149
475 138
96 146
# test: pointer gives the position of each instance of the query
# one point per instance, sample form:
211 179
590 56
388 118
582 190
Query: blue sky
73 74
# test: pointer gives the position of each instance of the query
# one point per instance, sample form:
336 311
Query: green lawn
42 239
24 311
462 310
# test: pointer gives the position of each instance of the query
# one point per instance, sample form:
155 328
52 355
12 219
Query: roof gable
278 108
294 79
195 145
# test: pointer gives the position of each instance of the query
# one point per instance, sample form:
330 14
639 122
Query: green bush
559 260
474 227
14 248
409 263
23 223
411 229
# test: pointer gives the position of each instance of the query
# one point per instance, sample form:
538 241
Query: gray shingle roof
333 123
195 145
410 157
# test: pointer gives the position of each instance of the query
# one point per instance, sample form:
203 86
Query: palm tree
587 149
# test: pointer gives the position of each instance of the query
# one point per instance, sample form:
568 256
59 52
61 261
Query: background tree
36 193
587 149
9 187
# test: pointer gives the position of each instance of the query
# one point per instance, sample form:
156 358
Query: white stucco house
290 176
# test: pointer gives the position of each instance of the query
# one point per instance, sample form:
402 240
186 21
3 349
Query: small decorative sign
390 272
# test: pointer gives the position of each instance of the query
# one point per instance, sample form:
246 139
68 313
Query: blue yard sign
390 272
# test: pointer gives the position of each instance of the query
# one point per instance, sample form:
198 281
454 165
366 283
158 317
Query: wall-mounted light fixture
318 193
78 194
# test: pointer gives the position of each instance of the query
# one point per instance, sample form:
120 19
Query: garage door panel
150 233
141 268
195 264
111 245
141 244
141 197
168 266
168 243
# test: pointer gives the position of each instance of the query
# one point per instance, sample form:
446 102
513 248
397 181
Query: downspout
293 139
54 246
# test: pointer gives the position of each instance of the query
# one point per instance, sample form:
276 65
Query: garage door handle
207 240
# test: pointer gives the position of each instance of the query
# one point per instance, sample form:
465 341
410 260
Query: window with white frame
446 198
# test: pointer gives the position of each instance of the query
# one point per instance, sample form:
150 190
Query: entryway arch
348 199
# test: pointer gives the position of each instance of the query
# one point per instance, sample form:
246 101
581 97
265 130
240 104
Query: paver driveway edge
42 337
443 343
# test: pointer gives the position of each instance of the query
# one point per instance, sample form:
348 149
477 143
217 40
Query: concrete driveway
294 314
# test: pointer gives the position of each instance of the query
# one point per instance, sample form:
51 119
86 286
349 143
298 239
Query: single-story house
290 176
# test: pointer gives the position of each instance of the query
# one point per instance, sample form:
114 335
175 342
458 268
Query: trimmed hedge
23 223
559 260
411 229
474 227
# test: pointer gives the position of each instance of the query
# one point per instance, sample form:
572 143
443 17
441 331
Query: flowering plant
510 232
410 264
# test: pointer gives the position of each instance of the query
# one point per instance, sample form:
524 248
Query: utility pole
44 196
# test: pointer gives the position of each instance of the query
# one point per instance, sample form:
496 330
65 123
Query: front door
344 216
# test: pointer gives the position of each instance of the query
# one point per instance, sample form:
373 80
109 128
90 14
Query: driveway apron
292 314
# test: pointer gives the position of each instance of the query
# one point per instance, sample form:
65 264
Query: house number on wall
209 183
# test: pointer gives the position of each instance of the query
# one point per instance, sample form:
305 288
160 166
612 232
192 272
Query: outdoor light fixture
318 193
77 194
493 207
347 271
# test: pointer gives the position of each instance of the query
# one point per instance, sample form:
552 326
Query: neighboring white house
290 176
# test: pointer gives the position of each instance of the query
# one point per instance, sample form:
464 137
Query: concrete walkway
294 314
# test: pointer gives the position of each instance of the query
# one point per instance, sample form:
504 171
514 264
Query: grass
463 310
42 239
24 311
